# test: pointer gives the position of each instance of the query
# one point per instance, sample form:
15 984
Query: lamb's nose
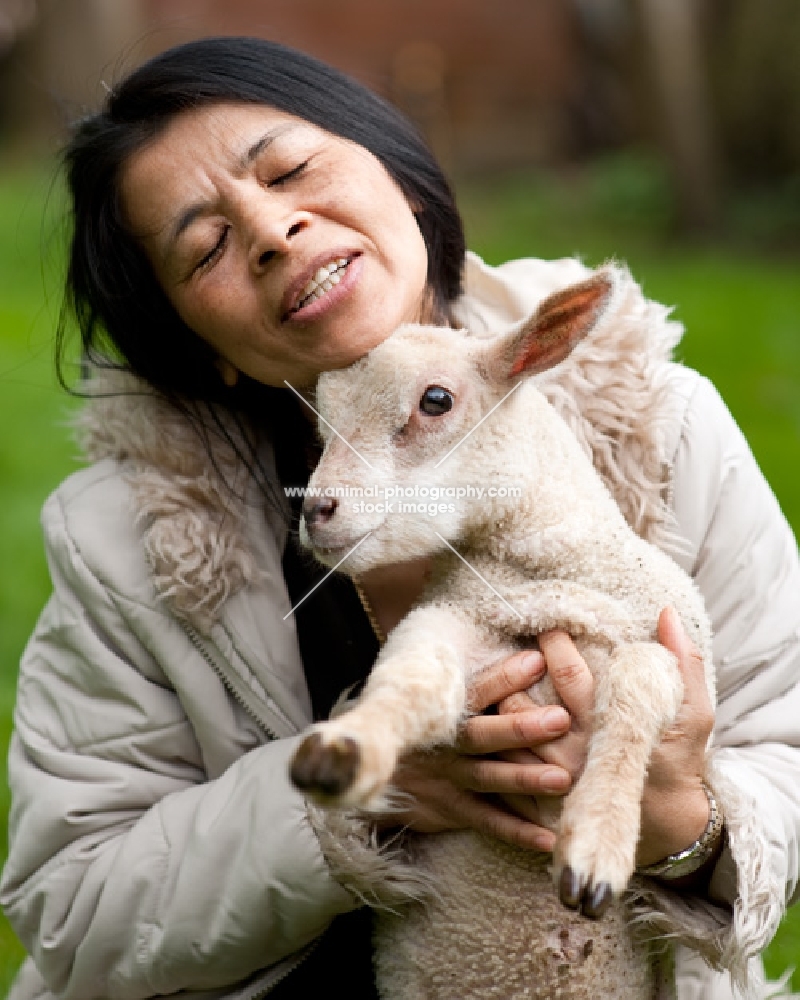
318 512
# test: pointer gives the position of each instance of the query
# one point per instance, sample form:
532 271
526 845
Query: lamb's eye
435 401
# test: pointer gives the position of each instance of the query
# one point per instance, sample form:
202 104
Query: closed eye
294 172
215 251
209 258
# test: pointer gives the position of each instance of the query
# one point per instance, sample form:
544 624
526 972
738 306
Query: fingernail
554 781
545 842
554 720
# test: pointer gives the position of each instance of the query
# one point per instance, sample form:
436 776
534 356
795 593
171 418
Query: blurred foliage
35 447
741 307
755 72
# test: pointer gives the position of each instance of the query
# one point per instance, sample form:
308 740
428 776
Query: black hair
111 289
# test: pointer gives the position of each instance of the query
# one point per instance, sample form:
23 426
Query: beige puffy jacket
156 843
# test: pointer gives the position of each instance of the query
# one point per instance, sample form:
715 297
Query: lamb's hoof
325 769
591 900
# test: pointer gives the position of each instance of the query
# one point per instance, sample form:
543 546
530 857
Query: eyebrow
188 216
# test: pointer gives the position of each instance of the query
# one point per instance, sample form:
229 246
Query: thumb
672 634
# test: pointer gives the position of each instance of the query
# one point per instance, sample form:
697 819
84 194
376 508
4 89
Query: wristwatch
692 858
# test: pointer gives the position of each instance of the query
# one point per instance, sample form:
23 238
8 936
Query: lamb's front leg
637 697
414 697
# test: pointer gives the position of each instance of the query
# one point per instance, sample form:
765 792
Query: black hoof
570 890
597 901
591 900
325 769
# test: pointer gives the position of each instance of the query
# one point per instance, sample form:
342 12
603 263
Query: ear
560 322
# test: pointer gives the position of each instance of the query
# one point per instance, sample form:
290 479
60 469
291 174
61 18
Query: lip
333 555
335 547
336 294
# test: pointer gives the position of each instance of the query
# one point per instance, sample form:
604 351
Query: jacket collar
194 497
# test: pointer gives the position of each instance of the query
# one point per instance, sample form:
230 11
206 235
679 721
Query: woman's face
289 250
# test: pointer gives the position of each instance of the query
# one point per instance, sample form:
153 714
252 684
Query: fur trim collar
192 508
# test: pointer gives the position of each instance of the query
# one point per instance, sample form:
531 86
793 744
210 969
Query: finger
568 754
571 677
696 700
522 756
524 806
672 634
506 778
483 816
483 734
509 676
528 808
519 702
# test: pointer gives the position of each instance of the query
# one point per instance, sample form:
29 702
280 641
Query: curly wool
612 395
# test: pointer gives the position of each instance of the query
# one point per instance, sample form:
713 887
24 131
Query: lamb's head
410 434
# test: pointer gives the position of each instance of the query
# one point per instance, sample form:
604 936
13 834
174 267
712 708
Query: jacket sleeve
736 543
130 873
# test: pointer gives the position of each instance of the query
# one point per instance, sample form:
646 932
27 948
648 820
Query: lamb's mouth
325 278
333 551
338 550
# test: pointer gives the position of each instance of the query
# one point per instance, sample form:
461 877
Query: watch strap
692 858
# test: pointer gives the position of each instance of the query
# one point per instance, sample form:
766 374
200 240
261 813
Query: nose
272 232
317 512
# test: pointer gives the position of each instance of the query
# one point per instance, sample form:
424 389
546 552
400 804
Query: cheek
215 310
381 207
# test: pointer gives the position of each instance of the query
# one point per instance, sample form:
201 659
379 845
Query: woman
245 217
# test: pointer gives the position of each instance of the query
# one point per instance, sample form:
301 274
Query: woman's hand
461 787
490 782
565 752
675 806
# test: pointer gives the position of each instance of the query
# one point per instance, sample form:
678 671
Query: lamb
437 408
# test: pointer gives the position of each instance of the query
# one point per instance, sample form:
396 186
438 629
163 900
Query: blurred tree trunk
676 64
53 76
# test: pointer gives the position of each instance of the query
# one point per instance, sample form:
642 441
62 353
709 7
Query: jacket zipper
249 706
244 699
266 990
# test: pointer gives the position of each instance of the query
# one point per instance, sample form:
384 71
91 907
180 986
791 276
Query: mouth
329 282
334 555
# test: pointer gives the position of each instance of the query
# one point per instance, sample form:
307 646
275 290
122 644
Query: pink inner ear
561 322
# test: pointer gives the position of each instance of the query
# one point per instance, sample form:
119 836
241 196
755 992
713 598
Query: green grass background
740 305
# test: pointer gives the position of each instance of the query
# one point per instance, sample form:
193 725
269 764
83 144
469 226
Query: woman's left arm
736 543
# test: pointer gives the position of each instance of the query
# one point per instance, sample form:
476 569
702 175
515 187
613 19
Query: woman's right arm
130 873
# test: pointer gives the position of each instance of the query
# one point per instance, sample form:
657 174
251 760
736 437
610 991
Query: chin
395 542
396 539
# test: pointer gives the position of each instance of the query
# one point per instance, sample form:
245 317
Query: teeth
323 281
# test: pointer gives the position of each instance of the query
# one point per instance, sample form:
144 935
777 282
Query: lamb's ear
560 322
